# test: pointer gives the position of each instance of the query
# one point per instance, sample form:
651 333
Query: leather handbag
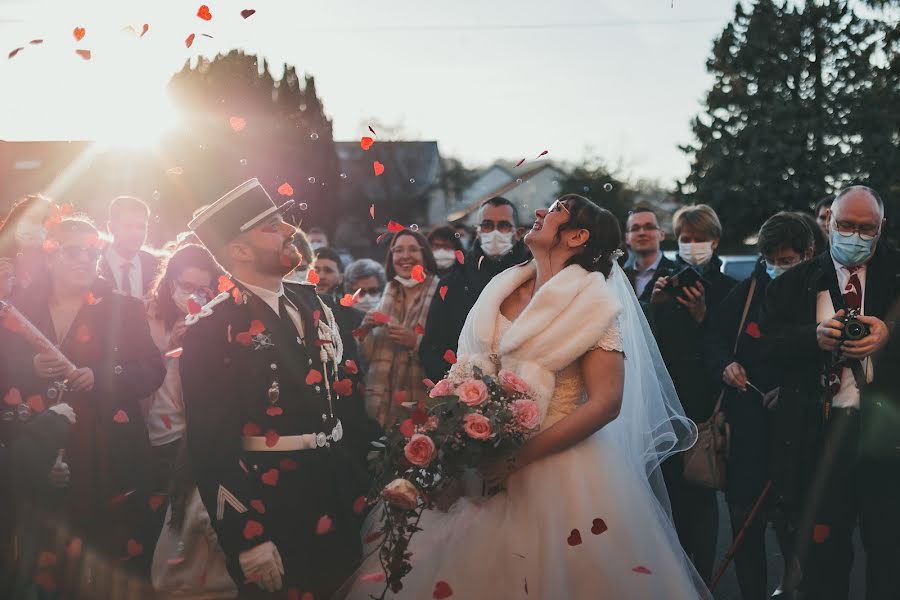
705 462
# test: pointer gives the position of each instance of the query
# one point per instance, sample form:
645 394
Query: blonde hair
697 216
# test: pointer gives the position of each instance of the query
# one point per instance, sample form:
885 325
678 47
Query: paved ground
728 587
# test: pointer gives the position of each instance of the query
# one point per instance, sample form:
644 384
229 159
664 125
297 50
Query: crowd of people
166 442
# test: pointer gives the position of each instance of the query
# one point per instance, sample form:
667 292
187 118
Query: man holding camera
831 323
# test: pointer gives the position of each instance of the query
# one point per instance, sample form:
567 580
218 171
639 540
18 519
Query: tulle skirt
578 524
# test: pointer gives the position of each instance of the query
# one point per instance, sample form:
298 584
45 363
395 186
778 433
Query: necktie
853 290
126 279
852 294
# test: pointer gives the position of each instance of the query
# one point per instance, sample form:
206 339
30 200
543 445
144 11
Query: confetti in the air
574 538
248 12
366 143
85 54
237 123
285 189
14 52
372 130
442 590
189 40
518 164
78 33
378 168
203 13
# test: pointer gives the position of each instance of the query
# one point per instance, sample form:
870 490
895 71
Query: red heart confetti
252 529
350 367
377 240
134 548
372 130
247 13
344 387
189 40
450 357
288 464
360 332
13 397
145 29
359 505
753 330
83 334
203 13
520 162
312 277
380 317
366 143
193 306
270 477
46 559
244 338
274 411
347 300
258 506
442 590
394 226
36 42
324 525
543 153
90 299
642 570
285 189
35 403
14 52
419 329
399 397
73 550
239 296
443 292
407 428
418 273
574 538
271 438
251 429
167 422
256 327
156 501
821 533
78 32
598 526
225 283
121 417
460 257
85 54
313 377
372 211
237 123
119 499
378 168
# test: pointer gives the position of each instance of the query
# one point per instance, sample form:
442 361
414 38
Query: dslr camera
854 329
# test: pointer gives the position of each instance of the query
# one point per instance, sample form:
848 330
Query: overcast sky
487 80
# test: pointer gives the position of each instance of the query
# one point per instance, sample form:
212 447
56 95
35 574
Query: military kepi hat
240 210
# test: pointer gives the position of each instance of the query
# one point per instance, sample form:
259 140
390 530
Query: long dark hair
190 255
605 234
31 202
427 256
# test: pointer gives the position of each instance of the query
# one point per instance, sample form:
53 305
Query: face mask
367 302
29 234
297 276
316 245
773 271
496 244
181 300
851 251
407 283
696 253
465 242
444 258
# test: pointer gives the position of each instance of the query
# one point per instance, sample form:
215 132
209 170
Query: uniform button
118 370
273 366
310 361
318 388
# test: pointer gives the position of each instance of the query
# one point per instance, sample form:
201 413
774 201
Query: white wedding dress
582 523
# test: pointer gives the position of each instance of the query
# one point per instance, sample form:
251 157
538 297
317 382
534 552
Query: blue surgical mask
773 271
851 251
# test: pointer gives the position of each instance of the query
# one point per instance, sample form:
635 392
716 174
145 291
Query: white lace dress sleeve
611 339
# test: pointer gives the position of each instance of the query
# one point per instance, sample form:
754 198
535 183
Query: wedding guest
124 263
820 241
391 345
643 235
105 334
679 317
22 235
317 238
330 270
444 245
822 211
785 240
498 246
367 276
836 431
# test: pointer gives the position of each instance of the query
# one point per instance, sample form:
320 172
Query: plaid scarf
393 368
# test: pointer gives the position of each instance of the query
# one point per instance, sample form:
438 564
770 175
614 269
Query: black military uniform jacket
247 372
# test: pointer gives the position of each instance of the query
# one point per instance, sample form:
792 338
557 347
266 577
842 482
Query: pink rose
477 426
441 388
472 393
419 450
526 413
511 382
401 493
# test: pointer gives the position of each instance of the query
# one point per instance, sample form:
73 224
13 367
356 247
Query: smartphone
686 277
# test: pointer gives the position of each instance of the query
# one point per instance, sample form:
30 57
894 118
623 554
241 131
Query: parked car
737 266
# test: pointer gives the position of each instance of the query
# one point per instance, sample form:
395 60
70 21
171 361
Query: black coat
789 340
149 267
226 395
666 267
680 340
447 315
749 419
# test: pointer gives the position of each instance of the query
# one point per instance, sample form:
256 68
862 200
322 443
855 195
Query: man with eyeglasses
836 457
497 247
644 236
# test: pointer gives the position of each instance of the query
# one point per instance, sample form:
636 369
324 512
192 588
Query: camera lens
854 330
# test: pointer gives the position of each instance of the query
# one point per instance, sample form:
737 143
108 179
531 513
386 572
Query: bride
584 513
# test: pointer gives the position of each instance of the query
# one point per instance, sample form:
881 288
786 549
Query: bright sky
487 80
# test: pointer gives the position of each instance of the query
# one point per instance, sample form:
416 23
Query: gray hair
360 269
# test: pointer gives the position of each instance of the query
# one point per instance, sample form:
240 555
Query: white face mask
407 283
367 302
30 234
298 276
316 245
496 244
181 300
696 253
444 258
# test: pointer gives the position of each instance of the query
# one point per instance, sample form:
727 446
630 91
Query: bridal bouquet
470 419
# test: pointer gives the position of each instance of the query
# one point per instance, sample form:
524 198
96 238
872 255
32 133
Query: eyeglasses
846 229
559 205
649 227
501 226
407 250
190 288
374 291
74 252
